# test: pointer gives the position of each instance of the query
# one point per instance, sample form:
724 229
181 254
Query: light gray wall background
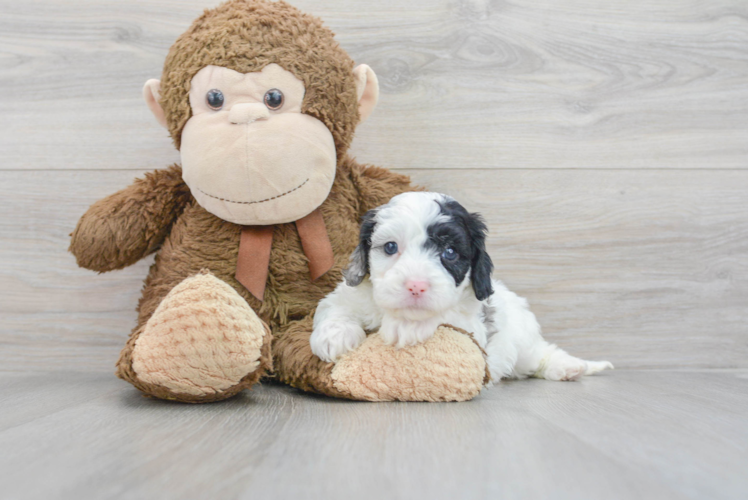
606 143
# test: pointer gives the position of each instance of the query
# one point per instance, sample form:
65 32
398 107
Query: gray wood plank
27 396
618 84
647 269
625 434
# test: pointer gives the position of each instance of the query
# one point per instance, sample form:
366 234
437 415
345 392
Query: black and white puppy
421 262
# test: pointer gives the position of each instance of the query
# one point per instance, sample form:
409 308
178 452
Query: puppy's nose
417 287
247 113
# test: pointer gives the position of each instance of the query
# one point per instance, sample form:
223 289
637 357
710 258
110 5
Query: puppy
421 262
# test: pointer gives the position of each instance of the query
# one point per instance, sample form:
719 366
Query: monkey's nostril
245 113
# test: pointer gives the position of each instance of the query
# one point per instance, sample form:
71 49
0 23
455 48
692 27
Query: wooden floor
606 144
624 434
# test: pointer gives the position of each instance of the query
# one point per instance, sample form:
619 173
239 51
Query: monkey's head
262 104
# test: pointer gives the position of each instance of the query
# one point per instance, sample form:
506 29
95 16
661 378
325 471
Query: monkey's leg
203 343
448 367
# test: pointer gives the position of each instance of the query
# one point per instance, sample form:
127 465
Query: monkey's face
249 155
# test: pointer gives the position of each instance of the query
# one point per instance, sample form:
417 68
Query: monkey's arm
378 185
124 227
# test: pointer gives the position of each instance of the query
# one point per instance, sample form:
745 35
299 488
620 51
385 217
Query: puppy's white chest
400 331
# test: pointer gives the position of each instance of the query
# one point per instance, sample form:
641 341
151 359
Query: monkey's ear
367 87
151 94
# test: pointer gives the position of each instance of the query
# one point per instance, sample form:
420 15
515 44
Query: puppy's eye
274 99
449 254
214 98
390 248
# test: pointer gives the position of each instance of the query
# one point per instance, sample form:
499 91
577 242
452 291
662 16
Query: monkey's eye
274 99
215 99
390 248
449 254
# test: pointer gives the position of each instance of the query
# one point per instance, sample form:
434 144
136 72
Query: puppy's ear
481 265
359 265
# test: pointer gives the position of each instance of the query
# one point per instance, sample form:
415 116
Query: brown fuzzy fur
124 227
198 240
246 36
159 214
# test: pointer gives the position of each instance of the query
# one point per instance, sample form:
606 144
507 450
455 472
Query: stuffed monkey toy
256 224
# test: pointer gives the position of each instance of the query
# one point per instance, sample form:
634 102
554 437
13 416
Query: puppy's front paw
332 339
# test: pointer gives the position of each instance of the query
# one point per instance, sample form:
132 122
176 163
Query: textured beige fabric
447 367
203 338
250 165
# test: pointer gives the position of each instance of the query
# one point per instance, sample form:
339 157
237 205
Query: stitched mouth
256 201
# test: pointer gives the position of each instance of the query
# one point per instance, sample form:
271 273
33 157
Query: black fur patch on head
359 265
465 233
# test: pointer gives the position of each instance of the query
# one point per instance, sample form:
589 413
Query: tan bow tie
254 252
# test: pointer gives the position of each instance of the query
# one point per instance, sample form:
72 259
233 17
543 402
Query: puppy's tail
597 366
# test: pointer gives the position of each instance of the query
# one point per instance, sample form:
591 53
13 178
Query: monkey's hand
124 227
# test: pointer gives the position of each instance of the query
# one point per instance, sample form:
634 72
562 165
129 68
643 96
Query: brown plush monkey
256 225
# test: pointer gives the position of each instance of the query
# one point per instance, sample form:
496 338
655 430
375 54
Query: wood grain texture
646 268
620 435
465 83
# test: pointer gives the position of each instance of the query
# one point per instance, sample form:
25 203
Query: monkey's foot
203 343
448 367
